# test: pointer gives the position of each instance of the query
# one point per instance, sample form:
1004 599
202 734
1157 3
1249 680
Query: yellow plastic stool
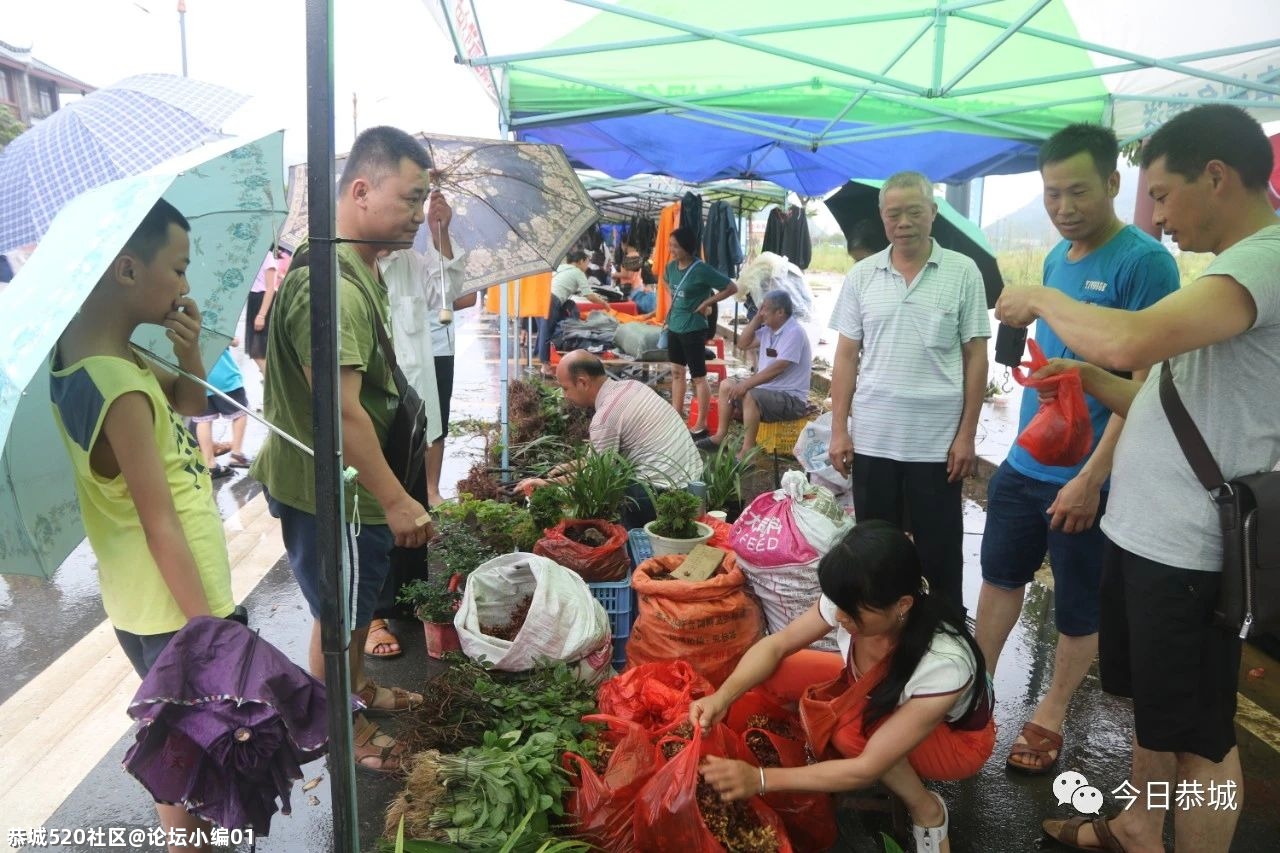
779 435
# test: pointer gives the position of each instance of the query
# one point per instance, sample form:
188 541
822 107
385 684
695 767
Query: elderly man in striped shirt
632 419
916 314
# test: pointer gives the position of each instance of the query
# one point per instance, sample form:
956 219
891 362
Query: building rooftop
20 57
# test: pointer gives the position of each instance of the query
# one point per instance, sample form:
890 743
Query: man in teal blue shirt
1034 508
694 287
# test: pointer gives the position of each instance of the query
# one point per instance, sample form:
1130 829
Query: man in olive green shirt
381 200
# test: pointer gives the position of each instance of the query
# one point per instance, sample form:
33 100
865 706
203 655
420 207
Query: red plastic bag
597 564
655 696
1061 433
602 807
809 818
667 818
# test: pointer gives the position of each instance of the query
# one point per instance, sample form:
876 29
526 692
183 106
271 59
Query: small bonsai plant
546 505
677 513
434 599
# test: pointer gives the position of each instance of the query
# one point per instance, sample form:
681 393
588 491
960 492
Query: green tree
10 127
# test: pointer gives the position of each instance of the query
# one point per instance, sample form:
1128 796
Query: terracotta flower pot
441 637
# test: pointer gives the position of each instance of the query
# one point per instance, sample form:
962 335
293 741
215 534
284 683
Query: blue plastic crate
620 653
638 547
617 600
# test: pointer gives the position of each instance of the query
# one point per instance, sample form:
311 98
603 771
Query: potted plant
676 530
587 540
722 472
435 600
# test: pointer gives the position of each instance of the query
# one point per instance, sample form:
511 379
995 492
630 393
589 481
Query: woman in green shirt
695 287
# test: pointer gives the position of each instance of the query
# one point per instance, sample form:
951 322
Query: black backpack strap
1189 437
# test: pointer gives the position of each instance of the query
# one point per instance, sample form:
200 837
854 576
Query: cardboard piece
701 564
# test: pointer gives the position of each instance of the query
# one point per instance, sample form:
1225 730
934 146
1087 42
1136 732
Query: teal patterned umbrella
232 194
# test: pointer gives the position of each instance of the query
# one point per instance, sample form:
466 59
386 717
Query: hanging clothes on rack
691 215
721 247
796 245
773 232
669 221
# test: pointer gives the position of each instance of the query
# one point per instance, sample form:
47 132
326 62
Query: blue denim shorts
1017 537
368 560
143 650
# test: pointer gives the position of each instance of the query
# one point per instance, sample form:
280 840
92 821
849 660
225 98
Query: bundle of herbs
481 796
598 485
499 527
469 699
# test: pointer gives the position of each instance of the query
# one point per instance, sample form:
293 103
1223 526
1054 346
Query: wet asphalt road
996 811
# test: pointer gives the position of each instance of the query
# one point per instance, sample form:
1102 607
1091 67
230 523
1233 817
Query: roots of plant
509 631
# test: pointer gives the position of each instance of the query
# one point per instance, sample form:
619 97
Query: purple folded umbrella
227 722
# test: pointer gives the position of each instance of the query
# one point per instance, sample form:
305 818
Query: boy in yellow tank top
145 494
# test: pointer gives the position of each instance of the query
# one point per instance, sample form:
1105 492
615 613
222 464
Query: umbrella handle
446 311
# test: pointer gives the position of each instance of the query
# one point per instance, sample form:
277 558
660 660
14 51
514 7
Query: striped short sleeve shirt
910 389
633 420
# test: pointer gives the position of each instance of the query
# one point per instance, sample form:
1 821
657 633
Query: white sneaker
929 838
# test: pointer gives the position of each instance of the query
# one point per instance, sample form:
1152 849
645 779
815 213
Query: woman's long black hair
872 567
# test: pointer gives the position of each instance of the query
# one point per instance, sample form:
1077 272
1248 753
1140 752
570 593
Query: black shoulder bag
1249 512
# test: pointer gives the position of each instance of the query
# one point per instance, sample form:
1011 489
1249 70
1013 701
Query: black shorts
688 349
444 388
1158 645
219 407
255 342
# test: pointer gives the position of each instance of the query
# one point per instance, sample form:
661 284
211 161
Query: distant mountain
1029 225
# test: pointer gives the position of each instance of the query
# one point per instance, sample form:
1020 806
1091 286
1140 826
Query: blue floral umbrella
232 194
121 130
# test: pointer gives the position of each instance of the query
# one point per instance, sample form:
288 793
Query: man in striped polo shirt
916 315
632 419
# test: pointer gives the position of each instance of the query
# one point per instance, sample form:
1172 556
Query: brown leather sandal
388 757
379 637
1039 743
401 699
1067 833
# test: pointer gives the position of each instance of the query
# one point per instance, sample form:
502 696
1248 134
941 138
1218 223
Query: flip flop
1067 833
239 460
378 636
1039 743
217 472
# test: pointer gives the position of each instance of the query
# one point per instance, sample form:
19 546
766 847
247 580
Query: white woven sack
565 622
787 591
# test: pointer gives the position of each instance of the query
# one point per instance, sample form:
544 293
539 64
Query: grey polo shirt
910 390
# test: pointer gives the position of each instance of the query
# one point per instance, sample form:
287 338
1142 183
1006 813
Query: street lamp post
182 31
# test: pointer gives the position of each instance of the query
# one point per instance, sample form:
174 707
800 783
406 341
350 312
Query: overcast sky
389 53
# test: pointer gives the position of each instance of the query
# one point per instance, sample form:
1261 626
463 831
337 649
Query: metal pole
335 629
182 32
504 377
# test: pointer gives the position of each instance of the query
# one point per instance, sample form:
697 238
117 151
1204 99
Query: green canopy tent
809 94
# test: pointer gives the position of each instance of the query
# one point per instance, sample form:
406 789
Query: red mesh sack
596 564
1061 432
710 624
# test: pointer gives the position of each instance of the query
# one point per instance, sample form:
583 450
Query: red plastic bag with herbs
655 696
1061 432
808 817
602 563
601 807
668 818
